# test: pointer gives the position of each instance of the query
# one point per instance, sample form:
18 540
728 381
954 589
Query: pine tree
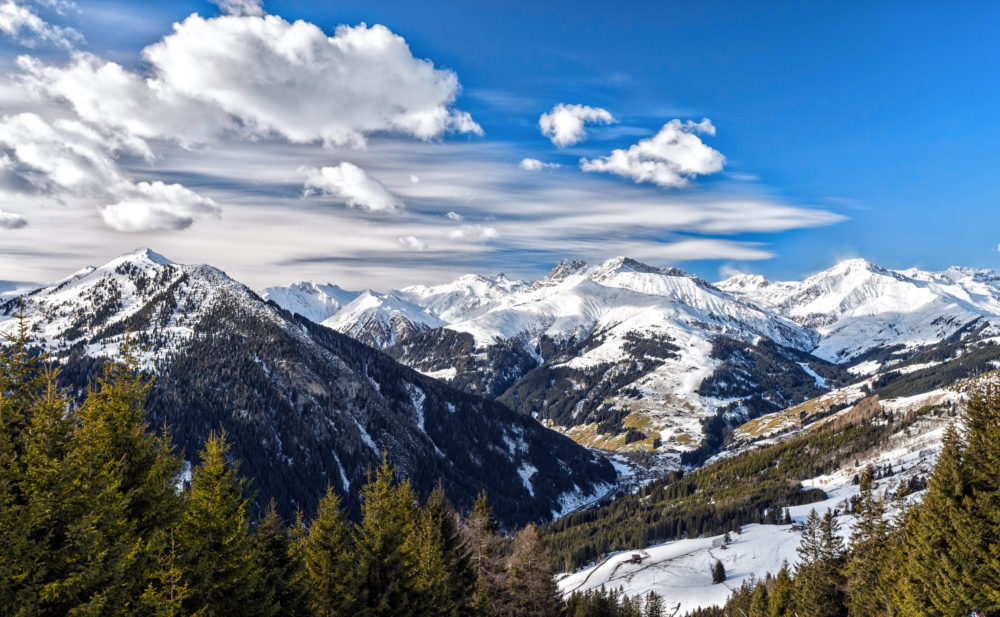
329 561
385 566
219 560
530 577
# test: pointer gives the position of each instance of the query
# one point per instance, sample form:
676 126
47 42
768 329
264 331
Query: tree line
100 516
935 558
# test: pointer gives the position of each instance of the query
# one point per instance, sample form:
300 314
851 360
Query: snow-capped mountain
306 405
856 306
627 355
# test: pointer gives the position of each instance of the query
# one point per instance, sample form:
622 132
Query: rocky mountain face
626 356
306 405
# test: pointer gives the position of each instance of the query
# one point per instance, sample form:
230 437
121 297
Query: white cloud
12 220
155 206
455 216
671 158
68 159
263 76
564 125
475 233
240 7
27 28
64 157
414 179
536 165
412 242
350 184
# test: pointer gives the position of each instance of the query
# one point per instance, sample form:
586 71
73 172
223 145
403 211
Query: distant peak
744 282
627 264
148 255
565 268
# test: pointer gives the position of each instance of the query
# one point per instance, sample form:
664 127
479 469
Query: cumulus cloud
671 158
455 216
414 179
12 220
156 206
240 7
412 242
263 76
350 184
536 165
475 233
564 125
27 28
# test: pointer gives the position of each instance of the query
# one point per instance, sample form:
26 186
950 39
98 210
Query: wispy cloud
22 24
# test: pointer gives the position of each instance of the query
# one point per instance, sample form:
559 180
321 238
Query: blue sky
850 129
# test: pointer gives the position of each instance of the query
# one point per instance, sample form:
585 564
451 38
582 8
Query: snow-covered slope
307 406
622 354
314 301
680 571
856 306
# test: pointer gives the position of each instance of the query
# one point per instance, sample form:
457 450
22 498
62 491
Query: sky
377 145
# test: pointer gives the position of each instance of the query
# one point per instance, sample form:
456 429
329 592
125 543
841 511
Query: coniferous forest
98 517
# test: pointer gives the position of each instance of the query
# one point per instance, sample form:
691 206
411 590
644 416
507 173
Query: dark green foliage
714 499
282 571
718 572
327 552
221 565
569 396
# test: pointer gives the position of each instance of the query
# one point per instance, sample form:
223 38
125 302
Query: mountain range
306 406
626 356
463 381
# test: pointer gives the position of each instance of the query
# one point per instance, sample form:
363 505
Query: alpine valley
599 384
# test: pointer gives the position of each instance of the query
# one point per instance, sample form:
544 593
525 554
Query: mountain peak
565 268
144 254
627 264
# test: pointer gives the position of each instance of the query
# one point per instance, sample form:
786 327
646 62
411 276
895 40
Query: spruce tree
759 601
718 572
280 566
455 548
327 552
867 592
654 605
116 445
820 583
782 595
385 566
219 559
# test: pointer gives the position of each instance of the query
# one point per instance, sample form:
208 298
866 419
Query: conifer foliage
97 518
